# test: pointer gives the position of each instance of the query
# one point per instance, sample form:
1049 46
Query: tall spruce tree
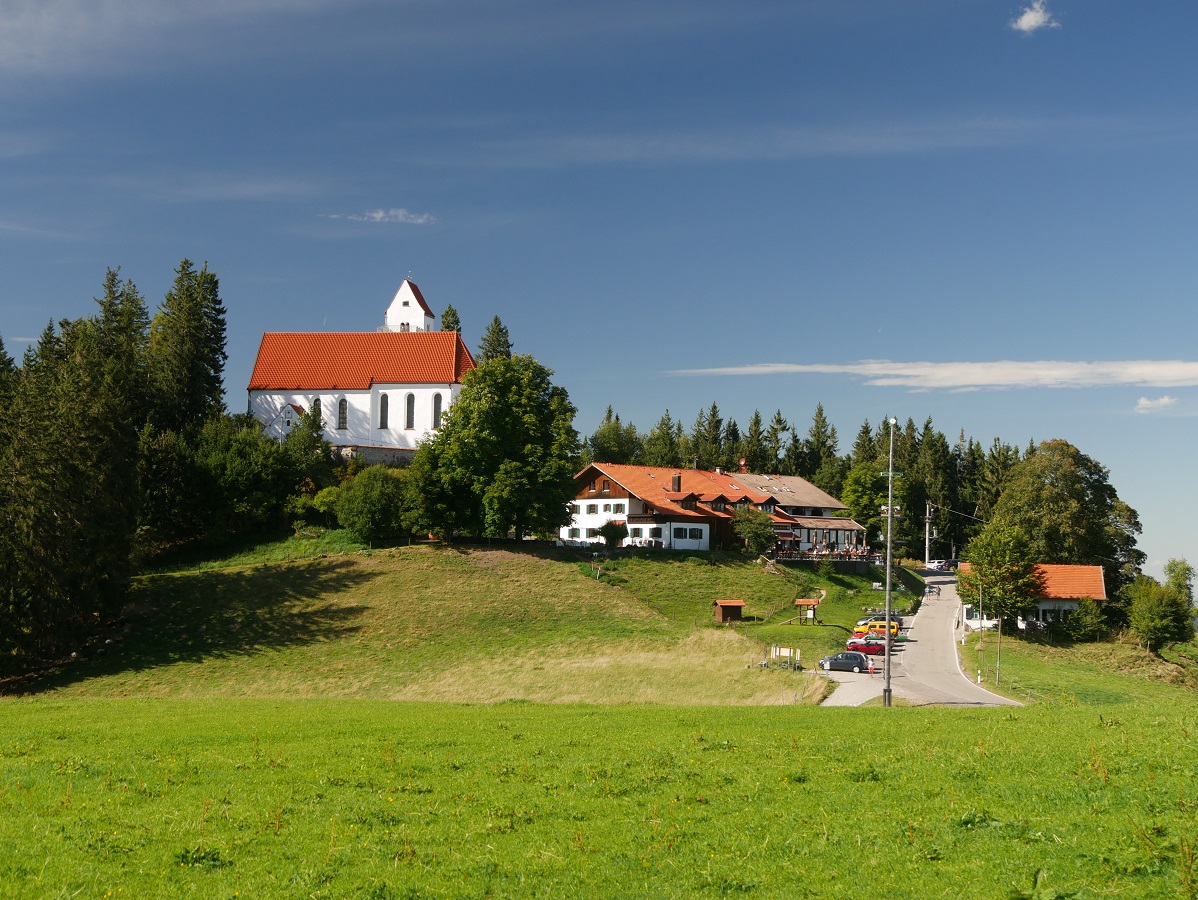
663 443
187 351
496 344
449 319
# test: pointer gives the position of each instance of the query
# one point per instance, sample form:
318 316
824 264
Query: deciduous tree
503 460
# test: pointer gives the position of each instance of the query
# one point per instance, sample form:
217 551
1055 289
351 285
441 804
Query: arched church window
409 412
342 414
436 410
316 412
382 411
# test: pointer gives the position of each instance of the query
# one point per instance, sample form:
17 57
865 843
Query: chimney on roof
676 482
719 470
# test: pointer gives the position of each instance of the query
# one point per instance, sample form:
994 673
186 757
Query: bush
372 505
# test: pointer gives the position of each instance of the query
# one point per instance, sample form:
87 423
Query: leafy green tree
754 528
1159 614
449 319
1002 576
1086 623
372 505
496 344
310 454
187 351
503 460
1065 504
614 442
865 494
613 534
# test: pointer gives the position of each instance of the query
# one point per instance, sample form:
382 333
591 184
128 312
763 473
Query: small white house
379 393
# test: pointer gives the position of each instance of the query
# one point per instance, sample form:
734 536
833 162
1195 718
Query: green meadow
476 722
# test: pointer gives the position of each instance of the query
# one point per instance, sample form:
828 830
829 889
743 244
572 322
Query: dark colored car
869 646
848 661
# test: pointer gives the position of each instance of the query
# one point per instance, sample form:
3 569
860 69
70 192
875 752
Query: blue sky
977 211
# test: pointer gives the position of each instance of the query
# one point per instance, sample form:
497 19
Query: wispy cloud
1032 18
971 376
1145 405
749 142
62 36
395 214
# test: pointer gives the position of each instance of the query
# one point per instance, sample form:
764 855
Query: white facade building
379 393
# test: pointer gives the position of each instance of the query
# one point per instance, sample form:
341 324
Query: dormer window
688 503
718 505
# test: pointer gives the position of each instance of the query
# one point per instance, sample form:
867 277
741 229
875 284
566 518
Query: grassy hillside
455 624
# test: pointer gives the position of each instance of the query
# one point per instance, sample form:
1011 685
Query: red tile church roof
354 360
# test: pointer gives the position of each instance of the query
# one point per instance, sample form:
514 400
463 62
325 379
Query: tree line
998 504
116 450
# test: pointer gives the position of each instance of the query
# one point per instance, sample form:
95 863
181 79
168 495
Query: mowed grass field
437 722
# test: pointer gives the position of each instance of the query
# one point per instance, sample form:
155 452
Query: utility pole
889 559
927 532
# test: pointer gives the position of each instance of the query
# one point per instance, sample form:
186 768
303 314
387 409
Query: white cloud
1000 374
1032 18
395 214
1144 405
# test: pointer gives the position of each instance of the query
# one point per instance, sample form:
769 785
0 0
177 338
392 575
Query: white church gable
408 311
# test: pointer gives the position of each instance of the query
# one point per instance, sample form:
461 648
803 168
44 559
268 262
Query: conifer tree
449 319
496 344
187 351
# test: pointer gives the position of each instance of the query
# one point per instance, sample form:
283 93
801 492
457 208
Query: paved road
925 671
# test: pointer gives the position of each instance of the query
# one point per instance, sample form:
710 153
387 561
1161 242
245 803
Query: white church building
379 393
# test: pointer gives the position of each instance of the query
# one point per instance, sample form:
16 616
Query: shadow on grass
212 615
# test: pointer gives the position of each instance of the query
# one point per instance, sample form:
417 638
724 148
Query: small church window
409 413
404 326
342 414
436 410
382 411
316 411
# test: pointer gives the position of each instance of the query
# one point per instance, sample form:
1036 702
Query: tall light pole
889 559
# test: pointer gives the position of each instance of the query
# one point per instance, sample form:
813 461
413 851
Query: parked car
880 617
937 565
871 646
849 661
877 629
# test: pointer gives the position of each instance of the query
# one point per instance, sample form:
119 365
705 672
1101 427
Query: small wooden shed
727 610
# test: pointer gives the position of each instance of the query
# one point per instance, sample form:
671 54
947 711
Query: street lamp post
889 560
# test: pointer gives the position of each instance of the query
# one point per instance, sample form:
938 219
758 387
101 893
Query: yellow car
876 628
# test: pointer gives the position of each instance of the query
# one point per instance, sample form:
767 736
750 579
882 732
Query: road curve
926 670
929 670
